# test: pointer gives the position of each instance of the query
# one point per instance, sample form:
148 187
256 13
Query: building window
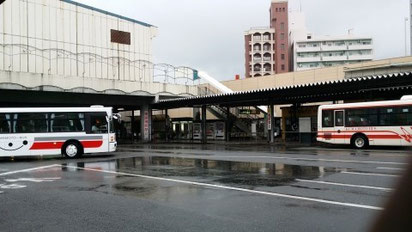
282 56
283 67
282 46
282 36
282 26
120 37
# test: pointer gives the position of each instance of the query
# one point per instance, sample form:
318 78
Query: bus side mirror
117 117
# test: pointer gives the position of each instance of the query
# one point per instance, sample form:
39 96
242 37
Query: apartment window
282 26
282 46
283 67
282 56
282 36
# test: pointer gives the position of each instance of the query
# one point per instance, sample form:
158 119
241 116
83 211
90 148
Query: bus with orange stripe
52 131
380 123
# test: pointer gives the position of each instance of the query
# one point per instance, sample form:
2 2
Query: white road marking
389 168
324 160
12 186
345 185
29 169
235 189
36 180
370 174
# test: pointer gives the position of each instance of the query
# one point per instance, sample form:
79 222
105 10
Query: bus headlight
112 138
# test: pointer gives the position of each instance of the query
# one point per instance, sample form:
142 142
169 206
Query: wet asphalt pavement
200 188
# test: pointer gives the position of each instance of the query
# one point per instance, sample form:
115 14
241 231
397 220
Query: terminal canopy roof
388 86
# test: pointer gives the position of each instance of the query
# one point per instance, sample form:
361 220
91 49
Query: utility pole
406 35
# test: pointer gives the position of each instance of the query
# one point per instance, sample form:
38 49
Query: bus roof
367 104
108 110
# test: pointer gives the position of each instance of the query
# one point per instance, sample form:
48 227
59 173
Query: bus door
339 135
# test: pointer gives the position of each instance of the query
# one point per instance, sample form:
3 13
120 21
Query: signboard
146 125
248 111
195 75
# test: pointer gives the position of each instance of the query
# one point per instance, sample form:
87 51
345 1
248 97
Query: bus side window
30 123
98 123
5 123
327 118
339 118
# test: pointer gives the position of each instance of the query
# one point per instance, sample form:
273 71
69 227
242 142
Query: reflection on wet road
228 172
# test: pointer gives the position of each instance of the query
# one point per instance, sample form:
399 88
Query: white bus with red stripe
52 131
384 123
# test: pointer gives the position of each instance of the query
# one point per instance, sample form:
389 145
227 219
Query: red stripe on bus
350 136
92 144
46 145
59 145
362 131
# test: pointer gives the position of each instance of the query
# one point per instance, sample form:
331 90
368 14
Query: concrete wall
63 45
60 38
45 82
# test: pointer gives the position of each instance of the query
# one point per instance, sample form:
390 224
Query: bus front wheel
359 141
72 149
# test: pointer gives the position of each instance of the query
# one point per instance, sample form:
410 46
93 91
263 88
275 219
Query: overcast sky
209 34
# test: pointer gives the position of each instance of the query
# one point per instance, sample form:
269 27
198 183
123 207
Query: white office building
318 52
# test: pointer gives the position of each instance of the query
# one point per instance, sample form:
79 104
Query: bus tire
72 149
359 141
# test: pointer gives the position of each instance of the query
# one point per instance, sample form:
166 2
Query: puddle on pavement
245 174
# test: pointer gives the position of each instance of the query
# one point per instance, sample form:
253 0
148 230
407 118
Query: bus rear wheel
72 149
360 141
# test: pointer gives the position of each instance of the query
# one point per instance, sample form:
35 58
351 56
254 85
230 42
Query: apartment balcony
257 60
333 48
360 47
361 57
308 59
308 49
304 68
266 38
334 58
